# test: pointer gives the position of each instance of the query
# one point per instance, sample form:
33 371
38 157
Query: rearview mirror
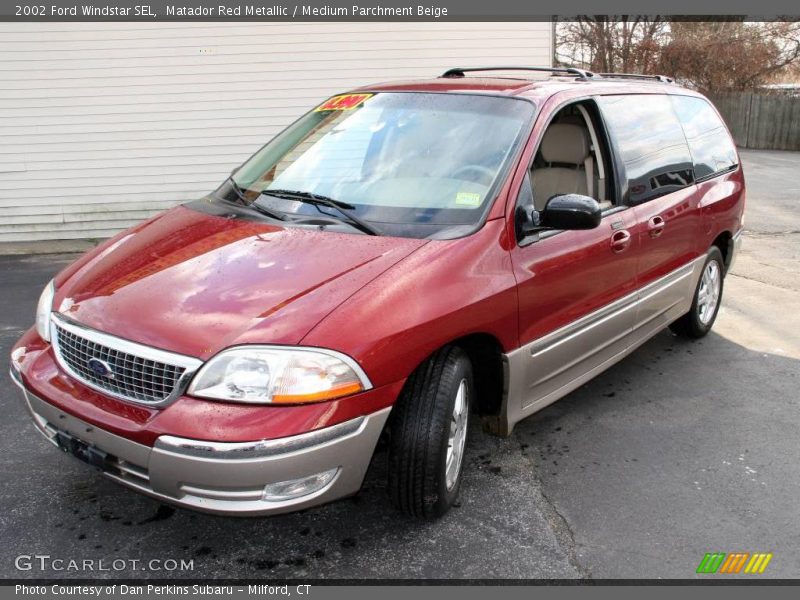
571 211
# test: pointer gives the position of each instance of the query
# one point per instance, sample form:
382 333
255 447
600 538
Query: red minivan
402 258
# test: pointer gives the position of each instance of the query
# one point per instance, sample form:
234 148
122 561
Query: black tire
419 434
691 325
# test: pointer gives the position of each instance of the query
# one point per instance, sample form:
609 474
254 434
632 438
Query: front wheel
428 435
707 298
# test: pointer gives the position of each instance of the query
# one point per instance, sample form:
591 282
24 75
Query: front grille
131 377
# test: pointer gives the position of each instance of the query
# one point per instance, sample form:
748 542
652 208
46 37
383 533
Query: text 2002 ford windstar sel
400 258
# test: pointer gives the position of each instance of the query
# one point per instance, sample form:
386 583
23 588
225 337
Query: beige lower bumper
225 478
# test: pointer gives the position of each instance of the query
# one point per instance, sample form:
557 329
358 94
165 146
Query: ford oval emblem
100 368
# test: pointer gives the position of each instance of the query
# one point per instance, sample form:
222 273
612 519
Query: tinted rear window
711 146
652 145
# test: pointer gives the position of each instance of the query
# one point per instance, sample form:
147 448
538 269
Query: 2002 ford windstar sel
400 258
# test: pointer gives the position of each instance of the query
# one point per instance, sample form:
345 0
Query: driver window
570 160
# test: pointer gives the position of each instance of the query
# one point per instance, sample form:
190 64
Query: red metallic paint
444 291
678 242
187 417
568 275
714 205
722 202
195 284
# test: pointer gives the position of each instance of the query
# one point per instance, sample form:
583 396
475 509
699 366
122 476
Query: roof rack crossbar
579 73
661 78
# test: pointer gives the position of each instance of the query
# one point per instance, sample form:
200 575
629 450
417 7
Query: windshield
409 164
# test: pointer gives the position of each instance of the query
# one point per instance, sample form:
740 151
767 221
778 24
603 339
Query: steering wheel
484 173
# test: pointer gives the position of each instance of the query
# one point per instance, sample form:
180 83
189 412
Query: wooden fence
765 121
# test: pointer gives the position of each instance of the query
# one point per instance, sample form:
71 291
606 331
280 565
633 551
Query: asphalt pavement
680 449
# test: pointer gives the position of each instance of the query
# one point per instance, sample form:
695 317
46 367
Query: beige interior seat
567 145
571 120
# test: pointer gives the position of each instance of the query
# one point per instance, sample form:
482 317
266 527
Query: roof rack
579 73
661 78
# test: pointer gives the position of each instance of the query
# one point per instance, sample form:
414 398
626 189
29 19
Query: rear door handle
620 241
656 226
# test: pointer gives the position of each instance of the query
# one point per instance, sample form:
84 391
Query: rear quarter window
651 144
710 143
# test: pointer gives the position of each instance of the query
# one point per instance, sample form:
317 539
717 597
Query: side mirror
526 221
571 211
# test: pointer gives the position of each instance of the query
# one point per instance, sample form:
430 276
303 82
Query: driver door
577 299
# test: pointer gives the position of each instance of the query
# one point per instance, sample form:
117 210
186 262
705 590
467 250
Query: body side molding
546 369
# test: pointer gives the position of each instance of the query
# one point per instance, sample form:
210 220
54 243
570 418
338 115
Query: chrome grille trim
142 374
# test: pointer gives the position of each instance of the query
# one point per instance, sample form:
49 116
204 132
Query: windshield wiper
237 189
266 211
319 200
256 207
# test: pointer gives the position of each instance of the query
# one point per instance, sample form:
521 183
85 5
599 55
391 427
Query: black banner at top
374 10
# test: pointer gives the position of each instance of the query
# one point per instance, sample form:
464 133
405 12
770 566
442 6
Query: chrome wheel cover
709 292
457 435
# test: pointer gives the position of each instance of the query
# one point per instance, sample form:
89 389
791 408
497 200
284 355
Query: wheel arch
485 353
488 368
724 241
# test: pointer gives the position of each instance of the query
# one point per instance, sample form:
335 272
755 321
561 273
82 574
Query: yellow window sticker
468 199
343 102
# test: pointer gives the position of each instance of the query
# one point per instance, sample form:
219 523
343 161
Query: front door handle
656 226
620 241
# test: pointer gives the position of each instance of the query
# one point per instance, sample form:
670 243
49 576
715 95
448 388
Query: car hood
195 283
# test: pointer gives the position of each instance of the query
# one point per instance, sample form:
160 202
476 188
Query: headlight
43 310
278 375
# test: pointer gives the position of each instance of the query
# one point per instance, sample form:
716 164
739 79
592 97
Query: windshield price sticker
344 102
468 199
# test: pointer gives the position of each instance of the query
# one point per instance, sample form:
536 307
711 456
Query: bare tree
608 43
730 55
711 56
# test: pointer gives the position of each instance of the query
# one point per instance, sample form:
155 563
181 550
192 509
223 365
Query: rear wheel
707 298
428 435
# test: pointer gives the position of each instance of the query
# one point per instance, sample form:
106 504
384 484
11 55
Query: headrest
565 143
571 119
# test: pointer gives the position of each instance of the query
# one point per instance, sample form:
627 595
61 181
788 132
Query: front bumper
224 477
